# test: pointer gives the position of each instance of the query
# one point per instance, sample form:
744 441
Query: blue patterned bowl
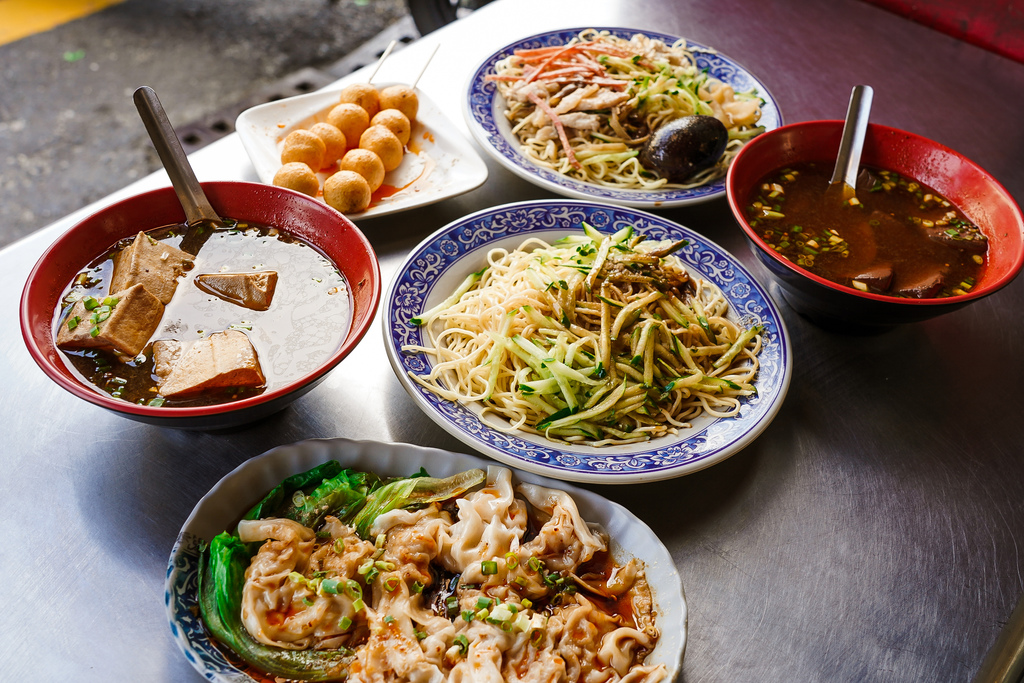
436 267
484 111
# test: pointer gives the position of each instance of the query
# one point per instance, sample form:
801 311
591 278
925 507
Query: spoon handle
854 130
190 193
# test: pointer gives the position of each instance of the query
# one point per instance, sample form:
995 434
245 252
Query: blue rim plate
483 109
436 267
245 485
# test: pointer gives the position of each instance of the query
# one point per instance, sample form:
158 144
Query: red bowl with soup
210 326
929 232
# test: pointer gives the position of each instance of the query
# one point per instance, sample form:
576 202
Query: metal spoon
844 177
193 200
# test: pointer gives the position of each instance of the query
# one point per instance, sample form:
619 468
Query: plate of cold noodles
586 342
632 117
345 560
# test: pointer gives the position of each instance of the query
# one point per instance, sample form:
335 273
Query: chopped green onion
452 604
535 564
391 583
94 331
389 619
339 545
462 642
488 567
420 635
467 615
511 560
90 303
484 603
73 323
329 586
417 587
358 605
307 602
155 402
345 624
526 603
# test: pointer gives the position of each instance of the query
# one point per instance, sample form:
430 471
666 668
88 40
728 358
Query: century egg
202 315
897 237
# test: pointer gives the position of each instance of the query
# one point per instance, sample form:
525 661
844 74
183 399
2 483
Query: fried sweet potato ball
347 191
365 163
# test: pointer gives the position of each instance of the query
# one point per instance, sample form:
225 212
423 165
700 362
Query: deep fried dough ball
396 122
362 94
334 140
365 163
400 97
297 176
347 191
350 119
304 147
384 144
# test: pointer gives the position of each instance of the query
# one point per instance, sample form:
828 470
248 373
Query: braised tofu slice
224 359
122 322
151 263
166 354
251 290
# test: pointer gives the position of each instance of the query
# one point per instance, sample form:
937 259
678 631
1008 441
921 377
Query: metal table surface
871 533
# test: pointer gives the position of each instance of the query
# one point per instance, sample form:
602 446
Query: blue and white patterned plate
239 490
436 267
484 111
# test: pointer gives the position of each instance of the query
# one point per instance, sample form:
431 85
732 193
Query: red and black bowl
334 235
965 184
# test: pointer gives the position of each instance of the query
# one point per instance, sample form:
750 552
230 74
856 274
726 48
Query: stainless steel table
873 532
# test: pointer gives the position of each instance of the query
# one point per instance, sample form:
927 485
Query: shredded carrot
539 53
547 62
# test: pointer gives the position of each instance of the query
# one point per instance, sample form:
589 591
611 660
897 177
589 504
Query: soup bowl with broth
829 259
311 288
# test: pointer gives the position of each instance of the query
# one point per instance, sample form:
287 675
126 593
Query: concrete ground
69 132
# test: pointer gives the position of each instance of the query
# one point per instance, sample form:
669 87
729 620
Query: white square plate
439 163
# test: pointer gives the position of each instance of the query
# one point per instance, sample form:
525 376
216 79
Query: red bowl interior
968 186
326 229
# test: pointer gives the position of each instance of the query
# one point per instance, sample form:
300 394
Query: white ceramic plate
484 111
436 267
248 483
439 163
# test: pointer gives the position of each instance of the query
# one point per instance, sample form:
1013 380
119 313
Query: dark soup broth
897 237
182 316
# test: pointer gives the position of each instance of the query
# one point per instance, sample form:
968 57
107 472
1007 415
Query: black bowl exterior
839 311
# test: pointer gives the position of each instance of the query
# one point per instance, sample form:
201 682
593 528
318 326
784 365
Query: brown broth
899 237
306 322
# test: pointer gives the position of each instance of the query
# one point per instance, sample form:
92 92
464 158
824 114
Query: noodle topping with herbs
590 109
595 339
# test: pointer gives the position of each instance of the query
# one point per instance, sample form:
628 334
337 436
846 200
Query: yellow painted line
21 18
